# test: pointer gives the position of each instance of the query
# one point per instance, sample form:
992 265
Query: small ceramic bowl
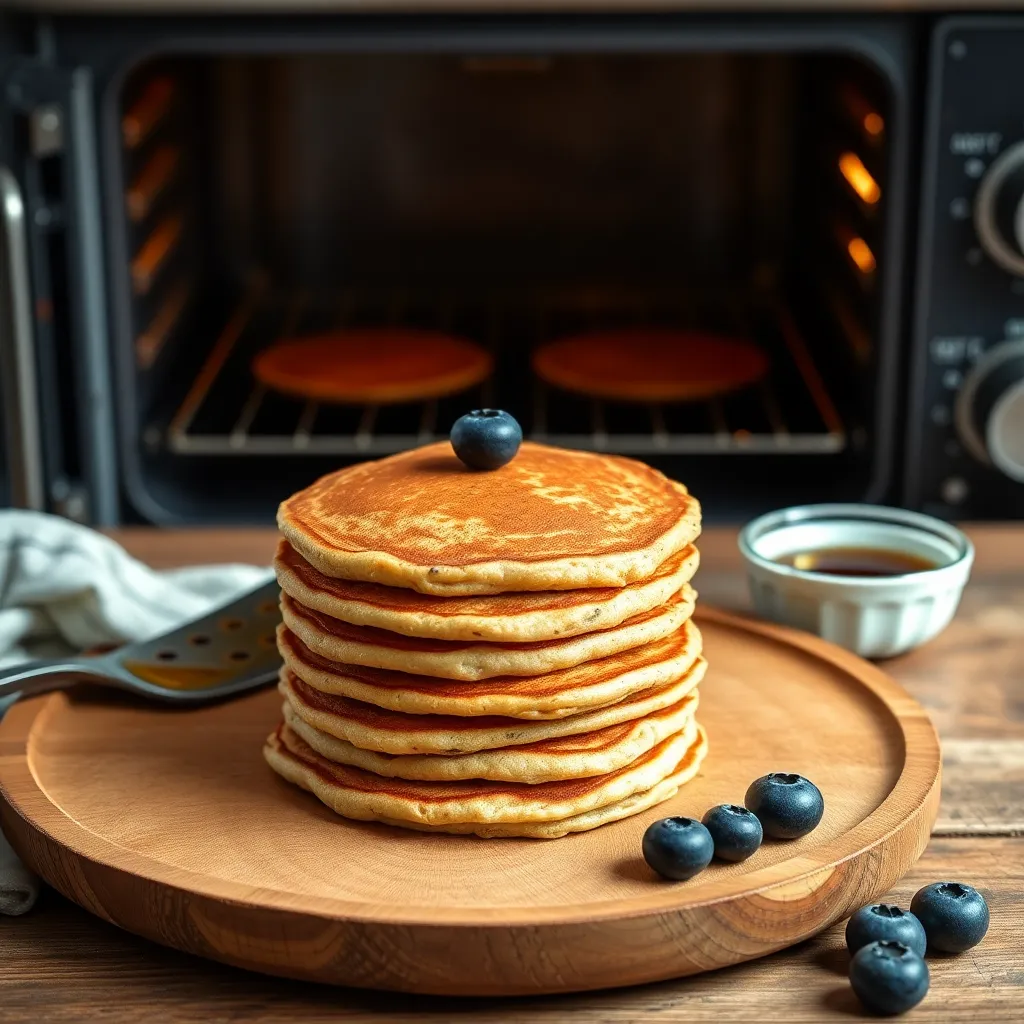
874 616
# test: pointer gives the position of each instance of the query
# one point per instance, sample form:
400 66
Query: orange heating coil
151 258
147 111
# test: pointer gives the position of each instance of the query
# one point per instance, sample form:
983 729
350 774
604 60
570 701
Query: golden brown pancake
372 366
470 660
555 694
567 757
487 808
515 617
570 691
551 519
650 364
395 732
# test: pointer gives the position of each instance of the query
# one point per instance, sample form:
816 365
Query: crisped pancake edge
399 733
600 752
362 795
520 699
686 769
472 661
603 611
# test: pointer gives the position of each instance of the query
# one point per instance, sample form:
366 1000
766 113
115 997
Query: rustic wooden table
60 964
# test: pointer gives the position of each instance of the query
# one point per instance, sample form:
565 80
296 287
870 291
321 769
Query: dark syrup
858 562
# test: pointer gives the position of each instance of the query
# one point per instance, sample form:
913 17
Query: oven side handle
17 353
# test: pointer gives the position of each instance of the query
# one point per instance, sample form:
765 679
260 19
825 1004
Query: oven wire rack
225 411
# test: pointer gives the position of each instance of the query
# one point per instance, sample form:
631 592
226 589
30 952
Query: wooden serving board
169 824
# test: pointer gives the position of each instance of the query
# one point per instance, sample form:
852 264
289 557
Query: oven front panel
513 182
966 455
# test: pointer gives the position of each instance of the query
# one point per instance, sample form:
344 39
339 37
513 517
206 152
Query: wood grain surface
61 964
64 966
169 824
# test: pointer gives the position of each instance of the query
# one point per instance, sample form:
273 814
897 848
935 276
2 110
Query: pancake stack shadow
518 712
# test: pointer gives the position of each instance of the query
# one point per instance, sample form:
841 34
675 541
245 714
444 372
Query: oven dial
990 409
999 210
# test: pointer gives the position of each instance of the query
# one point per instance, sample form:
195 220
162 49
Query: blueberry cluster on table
887 944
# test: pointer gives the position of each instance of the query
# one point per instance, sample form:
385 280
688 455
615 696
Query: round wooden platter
170 824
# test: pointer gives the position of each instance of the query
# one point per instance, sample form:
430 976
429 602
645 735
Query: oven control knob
990 409
999 210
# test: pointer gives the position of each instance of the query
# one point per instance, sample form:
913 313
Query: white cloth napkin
65 588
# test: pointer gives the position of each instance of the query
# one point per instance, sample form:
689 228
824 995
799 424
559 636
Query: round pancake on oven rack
472 660
388 732
515 617
576 756
648 364
551 519
487 808
559 694
372 366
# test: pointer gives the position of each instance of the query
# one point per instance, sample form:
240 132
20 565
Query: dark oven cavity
511 185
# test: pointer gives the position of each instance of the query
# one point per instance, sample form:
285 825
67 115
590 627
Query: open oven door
57 415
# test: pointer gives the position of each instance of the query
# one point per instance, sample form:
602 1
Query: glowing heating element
859 178
861 255
874 124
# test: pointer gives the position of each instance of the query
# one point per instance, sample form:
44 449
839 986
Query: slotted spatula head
231 650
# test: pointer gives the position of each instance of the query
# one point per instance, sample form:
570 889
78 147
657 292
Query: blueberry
789 806
884 921
486 438
736 831
888 977
955 916
678 848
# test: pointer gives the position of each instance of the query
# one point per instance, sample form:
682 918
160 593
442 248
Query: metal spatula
226 652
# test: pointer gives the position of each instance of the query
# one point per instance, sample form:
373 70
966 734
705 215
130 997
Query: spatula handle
40 676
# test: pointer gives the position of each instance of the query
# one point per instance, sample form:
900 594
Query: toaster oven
199 188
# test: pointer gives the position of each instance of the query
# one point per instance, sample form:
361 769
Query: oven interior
510 199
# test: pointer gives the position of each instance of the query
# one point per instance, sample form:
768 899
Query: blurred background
779 257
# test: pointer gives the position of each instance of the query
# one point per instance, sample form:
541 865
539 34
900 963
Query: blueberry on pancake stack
506 652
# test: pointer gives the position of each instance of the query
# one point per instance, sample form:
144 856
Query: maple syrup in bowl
856 561
876 580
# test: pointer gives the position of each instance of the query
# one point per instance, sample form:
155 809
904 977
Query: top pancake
372 365
552 519
650 364
521 616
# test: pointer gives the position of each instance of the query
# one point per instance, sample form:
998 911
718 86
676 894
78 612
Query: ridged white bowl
875 616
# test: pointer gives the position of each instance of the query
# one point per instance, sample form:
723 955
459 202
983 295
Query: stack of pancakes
506 653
